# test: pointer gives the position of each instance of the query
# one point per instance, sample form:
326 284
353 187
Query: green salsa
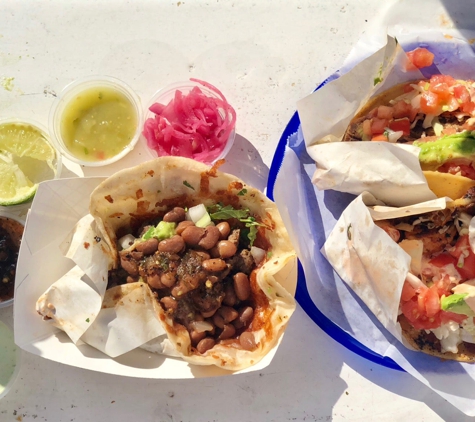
98 124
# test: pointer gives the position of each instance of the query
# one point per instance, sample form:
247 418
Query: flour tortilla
133 196
442 184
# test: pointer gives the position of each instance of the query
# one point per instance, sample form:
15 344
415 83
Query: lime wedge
26 158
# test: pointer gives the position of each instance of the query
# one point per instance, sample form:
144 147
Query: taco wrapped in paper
211 251
438 116
414 267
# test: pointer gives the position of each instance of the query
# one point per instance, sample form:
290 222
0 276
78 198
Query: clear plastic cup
22 209
10 359
7 215
80 86
167 94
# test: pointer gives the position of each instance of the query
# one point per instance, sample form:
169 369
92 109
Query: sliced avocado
456 303
433 154
164 230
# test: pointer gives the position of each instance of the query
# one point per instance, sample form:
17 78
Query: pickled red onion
192 125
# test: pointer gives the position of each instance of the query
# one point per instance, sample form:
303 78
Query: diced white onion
201 326
416 102
428 121
126 241
258 254
415 282
197 213
394 136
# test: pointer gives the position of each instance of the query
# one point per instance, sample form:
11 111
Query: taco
437 305
438 116
212 250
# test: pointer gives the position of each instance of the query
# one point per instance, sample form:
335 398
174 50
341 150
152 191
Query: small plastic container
85 86
166 95
35 177
9 216
10 359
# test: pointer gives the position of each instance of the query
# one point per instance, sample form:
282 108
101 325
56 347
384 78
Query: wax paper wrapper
115 321
391 172
311 214
368 260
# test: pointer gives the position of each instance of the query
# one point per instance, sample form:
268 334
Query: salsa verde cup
96 121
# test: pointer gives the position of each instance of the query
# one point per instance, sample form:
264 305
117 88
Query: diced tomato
420 57
431 301
442 91
408 292
462 94
381 137
417 316
430 103
465 170
385 112
468 108
101 155
378 126
442 79
467 270
442 260
401 124
402 109
367 127
451 316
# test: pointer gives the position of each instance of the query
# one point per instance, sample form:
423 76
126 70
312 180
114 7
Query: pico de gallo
437 294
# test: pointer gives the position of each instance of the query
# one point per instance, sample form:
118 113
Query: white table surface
264 55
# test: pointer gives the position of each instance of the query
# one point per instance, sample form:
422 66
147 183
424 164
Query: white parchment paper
391 172
311 214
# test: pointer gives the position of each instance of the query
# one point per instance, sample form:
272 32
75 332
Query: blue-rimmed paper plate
302 295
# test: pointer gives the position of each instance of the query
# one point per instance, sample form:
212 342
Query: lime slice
26 158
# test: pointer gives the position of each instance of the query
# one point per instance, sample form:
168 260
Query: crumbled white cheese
450 336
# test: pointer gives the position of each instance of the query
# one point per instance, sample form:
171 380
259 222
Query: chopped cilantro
188 185
223 213
88 320
242 192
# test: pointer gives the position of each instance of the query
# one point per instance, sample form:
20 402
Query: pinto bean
227 313
155 282
176 215
169 303
129 265
182 225
224 229
196 337
147 247
242 287
214 265
174 244
245 315
203 254
192 235
218 320
226 249
247 340
168 279
204 345
210 237
230 298
228 332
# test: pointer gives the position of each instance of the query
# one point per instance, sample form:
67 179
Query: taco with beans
437 304
212 250
438 116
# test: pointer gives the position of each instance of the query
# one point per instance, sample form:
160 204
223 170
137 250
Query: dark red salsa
10 237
